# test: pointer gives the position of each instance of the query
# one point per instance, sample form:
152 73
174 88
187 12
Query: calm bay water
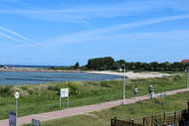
19 78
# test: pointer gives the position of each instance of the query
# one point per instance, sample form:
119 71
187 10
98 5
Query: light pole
187 76
17 96
124 84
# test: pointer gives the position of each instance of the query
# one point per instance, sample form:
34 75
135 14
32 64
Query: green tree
76 66
105 63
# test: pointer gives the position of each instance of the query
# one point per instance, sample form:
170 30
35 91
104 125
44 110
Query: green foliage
73 90
106 63
125 112
76 66
5 91
45 97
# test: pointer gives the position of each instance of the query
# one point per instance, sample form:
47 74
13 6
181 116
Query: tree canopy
105 63
108 63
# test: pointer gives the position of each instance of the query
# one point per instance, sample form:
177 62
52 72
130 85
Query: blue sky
62 32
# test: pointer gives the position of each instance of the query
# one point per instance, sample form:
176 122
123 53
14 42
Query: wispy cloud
16 37
84 13
14 34
72 15
10 1
100 33
174 35
5 36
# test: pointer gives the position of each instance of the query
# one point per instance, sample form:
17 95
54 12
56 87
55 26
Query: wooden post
175 117
164 117
113 121
144 121
132 122
152 120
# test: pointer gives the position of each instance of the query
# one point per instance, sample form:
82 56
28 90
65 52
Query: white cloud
16 37
100 33
85 13
175 35
5 36
10 1
14 34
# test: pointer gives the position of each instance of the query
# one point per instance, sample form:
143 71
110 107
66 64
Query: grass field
124 112
45 97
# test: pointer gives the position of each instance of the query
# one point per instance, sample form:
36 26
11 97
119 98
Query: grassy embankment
124 112
44 98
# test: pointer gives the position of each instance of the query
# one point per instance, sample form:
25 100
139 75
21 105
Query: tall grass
132 111
45 97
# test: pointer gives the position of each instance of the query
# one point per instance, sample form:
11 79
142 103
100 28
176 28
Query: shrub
5 91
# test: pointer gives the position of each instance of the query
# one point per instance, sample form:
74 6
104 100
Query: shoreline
21 69
129 75
132 75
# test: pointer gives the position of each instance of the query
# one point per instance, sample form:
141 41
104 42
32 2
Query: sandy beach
133 75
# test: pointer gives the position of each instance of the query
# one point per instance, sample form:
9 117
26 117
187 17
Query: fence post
164 117
143 121
113 121
175 117
132 122
152 119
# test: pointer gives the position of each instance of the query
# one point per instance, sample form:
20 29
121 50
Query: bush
5 91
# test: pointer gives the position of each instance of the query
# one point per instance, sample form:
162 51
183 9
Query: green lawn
45 97
124 112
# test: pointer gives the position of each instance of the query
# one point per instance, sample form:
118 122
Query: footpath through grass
45 97
124 112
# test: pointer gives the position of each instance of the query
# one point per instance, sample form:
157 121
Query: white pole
17 95
68 102
187 76
124 85
60 102
16 112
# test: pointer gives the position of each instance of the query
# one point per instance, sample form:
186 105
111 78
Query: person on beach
151 91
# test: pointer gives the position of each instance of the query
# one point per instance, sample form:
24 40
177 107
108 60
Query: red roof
185 61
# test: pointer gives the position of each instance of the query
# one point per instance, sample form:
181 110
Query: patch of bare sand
134 75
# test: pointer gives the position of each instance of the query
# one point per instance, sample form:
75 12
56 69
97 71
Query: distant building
185 61
3 67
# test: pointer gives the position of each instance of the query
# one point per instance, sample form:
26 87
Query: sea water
20 78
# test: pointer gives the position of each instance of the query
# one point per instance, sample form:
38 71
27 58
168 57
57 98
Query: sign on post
36 122
17 95
12 119
64 93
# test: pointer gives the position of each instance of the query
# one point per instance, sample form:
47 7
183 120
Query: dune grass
133 111
45 97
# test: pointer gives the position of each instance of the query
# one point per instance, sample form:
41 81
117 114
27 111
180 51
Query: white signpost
17 96
64 93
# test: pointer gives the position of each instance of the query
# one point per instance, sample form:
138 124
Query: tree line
108 63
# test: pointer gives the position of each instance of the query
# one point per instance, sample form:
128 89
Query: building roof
185 61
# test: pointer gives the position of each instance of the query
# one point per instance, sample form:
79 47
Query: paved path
84 109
